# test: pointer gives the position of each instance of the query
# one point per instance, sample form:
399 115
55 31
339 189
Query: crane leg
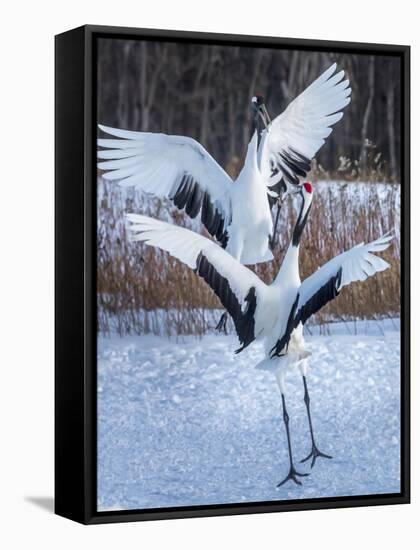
315 452
293 474
221 325
272 241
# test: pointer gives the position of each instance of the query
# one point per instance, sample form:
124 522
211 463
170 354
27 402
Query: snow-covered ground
187 422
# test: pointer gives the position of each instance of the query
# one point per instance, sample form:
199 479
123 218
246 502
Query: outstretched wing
237 287
294 137
356 264
170 166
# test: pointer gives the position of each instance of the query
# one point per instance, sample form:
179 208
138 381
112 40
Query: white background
26 290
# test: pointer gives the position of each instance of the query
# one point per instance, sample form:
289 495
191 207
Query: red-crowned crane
277 312
237 214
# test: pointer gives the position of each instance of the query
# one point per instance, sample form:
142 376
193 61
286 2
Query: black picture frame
75 295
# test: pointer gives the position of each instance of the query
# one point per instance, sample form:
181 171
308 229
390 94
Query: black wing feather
277 188
292 165
213 221
244 321
188 194
322 296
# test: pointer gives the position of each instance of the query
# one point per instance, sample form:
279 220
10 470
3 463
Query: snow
185 422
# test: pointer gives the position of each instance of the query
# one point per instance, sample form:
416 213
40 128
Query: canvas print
248 274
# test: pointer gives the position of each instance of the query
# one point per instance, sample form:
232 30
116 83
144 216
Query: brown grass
144 290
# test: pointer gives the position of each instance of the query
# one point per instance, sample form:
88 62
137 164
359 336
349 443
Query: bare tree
367 111
205 91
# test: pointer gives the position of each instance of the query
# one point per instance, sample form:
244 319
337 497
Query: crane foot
314 454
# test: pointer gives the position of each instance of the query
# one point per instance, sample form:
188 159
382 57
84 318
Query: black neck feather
300 224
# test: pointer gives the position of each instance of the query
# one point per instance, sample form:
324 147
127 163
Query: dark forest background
205 92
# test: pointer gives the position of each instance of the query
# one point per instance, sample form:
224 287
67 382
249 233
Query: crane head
257 101
260 109
308 187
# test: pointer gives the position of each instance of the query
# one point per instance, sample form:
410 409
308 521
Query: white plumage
357 264
237 214
275 313
274 302
186 246
296 135
155 162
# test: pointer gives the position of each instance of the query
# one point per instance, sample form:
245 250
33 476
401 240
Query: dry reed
144 290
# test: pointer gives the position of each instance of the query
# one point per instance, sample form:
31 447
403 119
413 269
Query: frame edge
70 479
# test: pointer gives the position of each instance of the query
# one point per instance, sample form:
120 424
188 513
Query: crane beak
265 117
261 110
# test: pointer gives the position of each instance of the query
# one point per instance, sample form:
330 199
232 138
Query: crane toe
314 454
292 476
